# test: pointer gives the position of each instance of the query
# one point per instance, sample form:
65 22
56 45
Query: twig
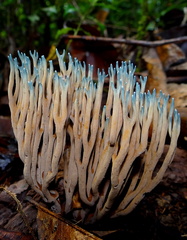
20 210
127 41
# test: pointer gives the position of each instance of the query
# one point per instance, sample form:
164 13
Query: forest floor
162 214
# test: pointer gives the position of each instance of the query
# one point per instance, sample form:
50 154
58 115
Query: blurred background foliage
38 25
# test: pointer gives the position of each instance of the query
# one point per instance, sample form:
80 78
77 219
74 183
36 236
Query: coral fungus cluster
110 155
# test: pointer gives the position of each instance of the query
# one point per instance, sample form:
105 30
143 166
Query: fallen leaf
156 75
8 235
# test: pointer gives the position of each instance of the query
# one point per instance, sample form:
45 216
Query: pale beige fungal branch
38 104
110 155
122 165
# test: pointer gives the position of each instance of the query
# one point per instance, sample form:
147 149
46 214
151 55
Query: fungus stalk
111 154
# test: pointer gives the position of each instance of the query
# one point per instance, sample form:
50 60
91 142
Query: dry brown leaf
170 54
8 235
52 226
156 74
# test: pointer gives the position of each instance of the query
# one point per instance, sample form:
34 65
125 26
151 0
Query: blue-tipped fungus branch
111 159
